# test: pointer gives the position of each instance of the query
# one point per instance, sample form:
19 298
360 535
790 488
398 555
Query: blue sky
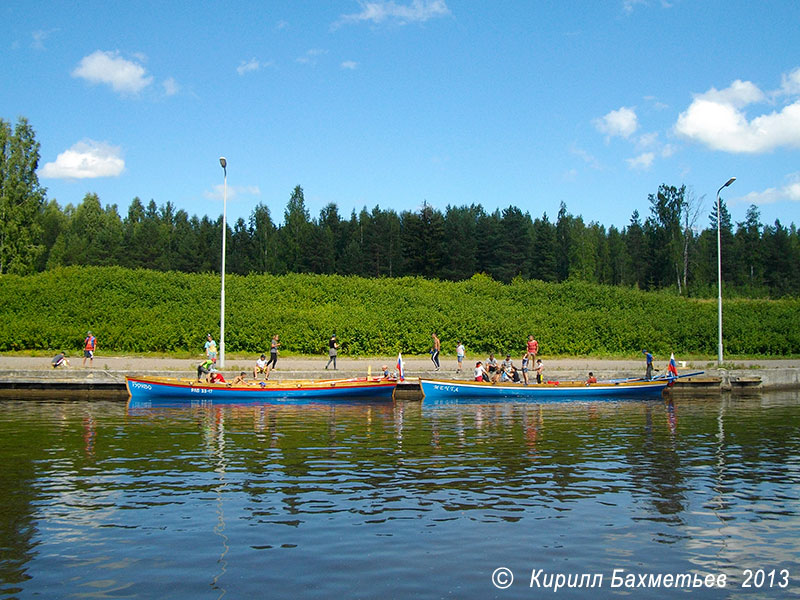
367 103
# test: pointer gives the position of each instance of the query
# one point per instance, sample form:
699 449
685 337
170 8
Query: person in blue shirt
648 375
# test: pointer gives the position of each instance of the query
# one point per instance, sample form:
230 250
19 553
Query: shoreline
107 373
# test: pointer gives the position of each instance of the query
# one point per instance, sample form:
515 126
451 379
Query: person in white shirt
459 355
480 372
261 367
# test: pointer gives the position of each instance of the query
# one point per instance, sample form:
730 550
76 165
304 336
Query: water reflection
229 499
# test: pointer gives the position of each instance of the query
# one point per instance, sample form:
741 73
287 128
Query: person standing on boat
539 371
437 345
333 350
273 353
525 363
459 356
89 346
648 375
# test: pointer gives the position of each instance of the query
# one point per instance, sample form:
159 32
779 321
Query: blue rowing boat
451 390
187 390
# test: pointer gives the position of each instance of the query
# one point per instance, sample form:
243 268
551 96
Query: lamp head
730 181
223 163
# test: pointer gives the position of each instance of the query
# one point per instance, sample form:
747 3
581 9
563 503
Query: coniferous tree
545 263
295 235
637 252
91 236
462 231
749 252
53 221
423 241
264 242
513 245
781 256
665 235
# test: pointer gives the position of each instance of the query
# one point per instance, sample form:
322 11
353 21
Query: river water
401 500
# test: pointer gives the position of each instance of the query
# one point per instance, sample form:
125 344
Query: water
397 500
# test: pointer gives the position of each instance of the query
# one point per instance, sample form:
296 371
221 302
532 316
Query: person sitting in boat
491 364
215 377
507 363
204 368
509 374
386 373
60 360
592 378
239 379
261 367
481 374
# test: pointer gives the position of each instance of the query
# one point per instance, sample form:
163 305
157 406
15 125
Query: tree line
667 249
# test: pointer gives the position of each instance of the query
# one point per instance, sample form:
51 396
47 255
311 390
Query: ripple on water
387 500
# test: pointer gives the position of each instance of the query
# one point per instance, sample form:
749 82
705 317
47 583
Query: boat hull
453 391
164 389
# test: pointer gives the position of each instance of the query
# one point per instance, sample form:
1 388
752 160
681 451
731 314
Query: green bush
152 311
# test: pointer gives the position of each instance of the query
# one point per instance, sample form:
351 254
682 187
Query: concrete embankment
26 376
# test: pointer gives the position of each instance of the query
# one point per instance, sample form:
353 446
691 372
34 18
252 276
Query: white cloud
124 76
717 119
87 159
739 94
171 86
350 65
39 37
790 192
218 191
790 84
646 140
642 162
378 12
622 122
248 66
628 6
589 159
310 57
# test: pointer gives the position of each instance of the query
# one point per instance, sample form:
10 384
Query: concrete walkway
117 366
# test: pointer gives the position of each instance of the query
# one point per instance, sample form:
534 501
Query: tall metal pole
719 269
224 164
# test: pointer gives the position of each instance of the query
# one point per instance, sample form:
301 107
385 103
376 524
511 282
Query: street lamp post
719 269
224 164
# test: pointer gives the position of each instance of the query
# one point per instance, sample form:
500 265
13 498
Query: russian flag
400 371
673 367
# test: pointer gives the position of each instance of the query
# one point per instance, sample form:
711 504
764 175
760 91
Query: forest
667 247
